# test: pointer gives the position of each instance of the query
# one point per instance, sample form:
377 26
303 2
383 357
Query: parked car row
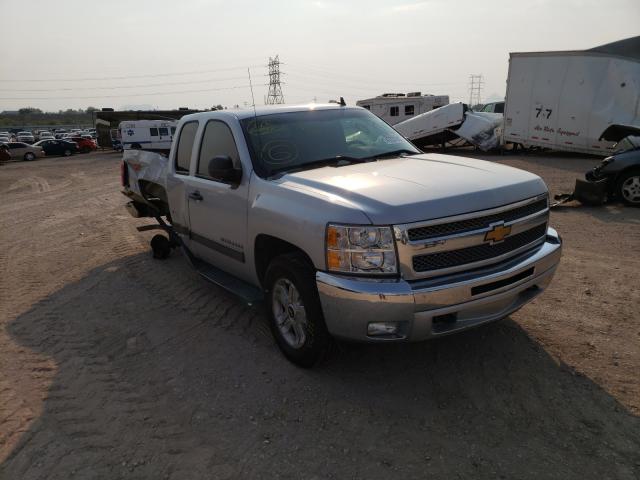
36 135
50 147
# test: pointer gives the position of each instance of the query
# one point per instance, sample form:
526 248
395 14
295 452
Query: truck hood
420 187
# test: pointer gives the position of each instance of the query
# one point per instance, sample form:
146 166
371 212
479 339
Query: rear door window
153 132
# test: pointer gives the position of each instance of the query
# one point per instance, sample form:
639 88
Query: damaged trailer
454 123
576 101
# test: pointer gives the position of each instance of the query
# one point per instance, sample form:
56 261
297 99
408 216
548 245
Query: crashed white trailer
433 127
567 100
451 123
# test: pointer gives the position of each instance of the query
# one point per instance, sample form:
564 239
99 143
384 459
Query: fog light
382 328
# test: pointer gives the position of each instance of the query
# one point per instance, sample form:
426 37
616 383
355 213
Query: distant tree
91 109
29 110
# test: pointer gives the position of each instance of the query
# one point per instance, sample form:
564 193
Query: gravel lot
114 365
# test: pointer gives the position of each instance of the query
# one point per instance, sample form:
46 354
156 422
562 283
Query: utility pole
476 82
275 90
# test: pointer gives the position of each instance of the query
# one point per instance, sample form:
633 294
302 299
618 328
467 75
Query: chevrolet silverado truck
342 227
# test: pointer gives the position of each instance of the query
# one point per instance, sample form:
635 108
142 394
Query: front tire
294 310
29 156
161 247
628 188
67 153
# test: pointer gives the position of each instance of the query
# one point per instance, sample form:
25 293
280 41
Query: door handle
196 196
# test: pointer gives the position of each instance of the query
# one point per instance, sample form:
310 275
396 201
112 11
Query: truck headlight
360 249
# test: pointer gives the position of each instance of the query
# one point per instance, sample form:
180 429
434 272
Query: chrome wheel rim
289 313
631 189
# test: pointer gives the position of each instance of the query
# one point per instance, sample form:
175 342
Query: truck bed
144 179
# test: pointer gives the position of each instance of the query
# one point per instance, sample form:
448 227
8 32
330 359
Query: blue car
116 144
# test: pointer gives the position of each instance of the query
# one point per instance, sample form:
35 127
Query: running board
245 291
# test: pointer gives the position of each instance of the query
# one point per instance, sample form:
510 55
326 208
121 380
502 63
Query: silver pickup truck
343 227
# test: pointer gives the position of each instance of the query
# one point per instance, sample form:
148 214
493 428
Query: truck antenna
255 114
253 100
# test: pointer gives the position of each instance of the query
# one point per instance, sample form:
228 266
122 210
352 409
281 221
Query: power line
329 73
131 94
73 89
366 84
127 77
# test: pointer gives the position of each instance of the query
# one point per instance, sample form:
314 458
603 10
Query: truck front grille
477 253
433 231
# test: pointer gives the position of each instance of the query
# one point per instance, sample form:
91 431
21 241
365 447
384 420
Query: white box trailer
147 134
568 100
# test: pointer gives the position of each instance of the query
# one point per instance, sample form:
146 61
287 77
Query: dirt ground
115 365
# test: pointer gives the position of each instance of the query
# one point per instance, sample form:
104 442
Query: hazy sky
195 53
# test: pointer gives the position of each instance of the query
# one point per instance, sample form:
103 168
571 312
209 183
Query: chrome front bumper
428 308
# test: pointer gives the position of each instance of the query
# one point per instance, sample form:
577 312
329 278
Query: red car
85 145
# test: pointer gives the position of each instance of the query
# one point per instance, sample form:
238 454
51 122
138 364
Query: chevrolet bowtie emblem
497 234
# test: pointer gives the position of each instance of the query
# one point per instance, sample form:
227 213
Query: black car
58 147
621 172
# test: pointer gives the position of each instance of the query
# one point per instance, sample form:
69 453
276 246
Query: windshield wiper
337 161
394 153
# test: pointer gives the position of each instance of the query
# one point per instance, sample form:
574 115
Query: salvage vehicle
342 227
25 137
25 151
116 144
45 136
58 147
85 145
493 107
620 173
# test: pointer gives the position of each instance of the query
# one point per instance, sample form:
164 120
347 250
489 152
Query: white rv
569 100
398 107
147 134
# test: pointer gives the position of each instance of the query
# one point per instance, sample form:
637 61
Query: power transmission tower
476 82
275 90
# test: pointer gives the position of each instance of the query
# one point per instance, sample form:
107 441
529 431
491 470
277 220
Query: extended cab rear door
217 209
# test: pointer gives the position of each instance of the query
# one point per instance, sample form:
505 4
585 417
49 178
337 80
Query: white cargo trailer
568 100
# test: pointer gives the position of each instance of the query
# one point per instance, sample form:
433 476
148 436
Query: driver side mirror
221 168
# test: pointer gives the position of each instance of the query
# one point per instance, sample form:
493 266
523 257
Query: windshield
627 143
288 141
